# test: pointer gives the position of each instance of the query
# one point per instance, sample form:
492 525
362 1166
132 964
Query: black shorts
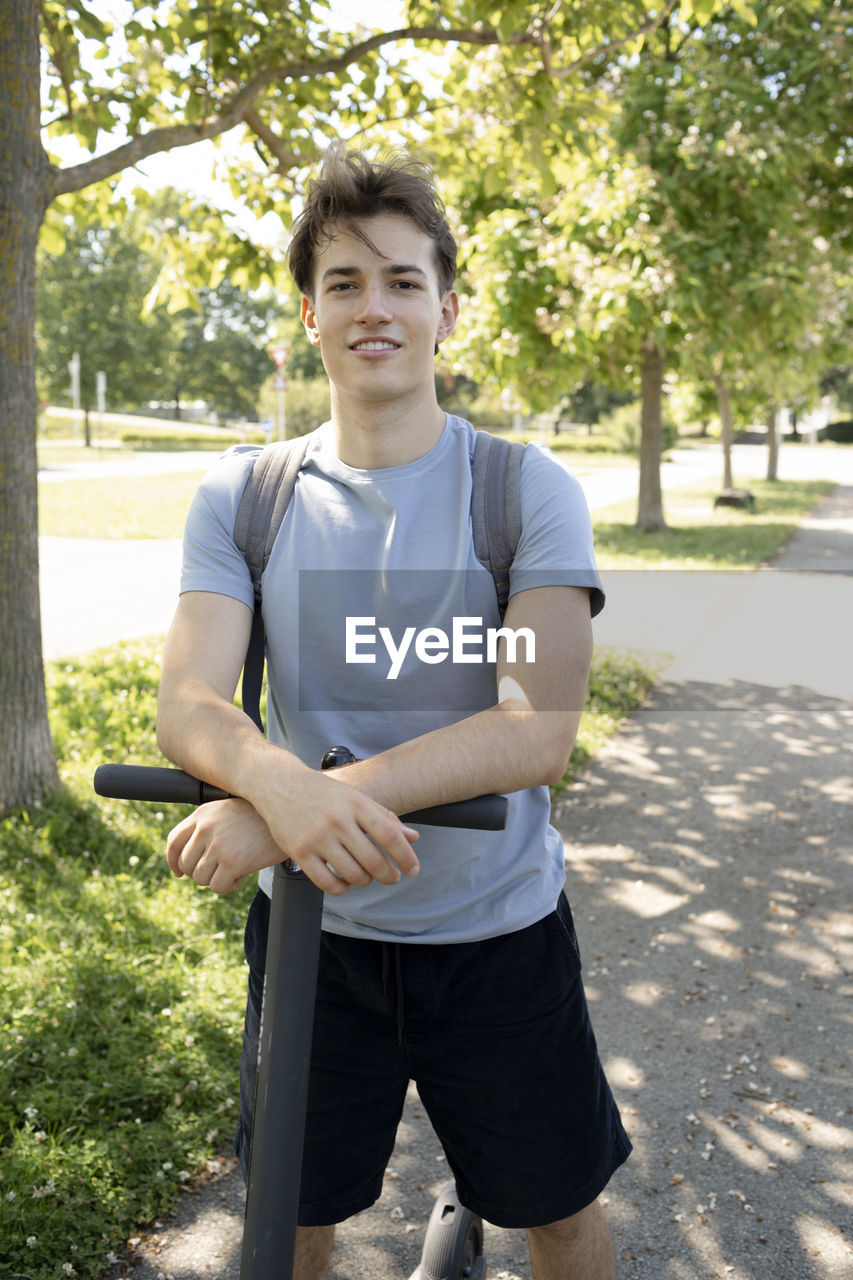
496 1035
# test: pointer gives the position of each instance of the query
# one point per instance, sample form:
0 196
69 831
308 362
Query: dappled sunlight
624 1074
709 892
826 1246
644 899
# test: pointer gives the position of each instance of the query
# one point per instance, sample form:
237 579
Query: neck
373 437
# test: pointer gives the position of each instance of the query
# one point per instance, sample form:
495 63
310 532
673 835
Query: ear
449 315
309 320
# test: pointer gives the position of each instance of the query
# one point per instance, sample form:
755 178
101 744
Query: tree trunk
650 506
725 402
27 762
772 446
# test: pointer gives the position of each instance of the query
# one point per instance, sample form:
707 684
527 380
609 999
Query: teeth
375 346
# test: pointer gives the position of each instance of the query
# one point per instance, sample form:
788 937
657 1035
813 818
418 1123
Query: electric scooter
453 1245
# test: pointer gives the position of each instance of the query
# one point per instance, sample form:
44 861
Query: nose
374 305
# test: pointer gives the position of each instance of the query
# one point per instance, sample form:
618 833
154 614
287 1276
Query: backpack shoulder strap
263 504
496 506
268 491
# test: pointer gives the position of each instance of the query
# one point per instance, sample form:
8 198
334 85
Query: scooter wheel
453 1247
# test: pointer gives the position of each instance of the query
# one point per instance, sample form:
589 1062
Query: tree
218 352
691 229
90 300
172 75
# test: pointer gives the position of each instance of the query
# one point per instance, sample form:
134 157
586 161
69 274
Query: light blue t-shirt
368 580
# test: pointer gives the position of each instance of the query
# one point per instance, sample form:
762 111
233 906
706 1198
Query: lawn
123 988
118 506
698 537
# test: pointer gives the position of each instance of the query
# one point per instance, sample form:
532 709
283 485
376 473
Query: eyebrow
393 269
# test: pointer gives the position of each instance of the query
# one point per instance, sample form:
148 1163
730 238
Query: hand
220 844
337 834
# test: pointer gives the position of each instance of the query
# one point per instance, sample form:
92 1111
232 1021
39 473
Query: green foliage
98 297
840 432
619 680
124 990
622 428
697 191
307 405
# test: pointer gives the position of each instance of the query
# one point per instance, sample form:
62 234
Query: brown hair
352 186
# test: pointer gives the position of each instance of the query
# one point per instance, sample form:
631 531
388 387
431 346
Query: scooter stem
287 1019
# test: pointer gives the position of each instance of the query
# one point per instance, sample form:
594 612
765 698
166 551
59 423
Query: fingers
176 842
353 842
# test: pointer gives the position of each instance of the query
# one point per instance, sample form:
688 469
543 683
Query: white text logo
469 641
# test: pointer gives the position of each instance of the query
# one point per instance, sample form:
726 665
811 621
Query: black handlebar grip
164 786
143 782
481 813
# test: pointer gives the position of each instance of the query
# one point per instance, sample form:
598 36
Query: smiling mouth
375 344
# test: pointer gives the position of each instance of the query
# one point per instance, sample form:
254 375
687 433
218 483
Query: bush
480 406
176 439
622 429
839 432
123 995
307 406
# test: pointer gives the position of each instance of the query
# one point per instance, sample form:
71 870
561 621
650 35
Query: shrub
839 432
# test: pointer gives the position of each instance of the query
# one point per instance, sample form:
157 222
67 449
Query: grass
125 994
118 506
123 988
698 537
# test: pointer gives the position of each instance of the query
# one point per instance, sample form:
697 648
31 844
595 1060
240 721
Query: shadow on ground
709 866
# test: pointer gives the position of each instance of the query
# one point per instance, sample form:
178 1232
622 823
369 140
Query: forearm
506 748
213 739
198 725
524 740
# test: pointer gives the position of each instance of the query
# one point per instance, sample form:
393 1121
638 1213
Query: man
448 957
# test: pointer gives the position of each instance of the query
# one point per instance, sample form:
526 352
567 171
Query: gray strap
496 507
264 502
262 506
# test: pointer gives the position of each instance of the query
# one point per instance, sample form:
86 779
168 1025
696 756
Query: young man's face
377 319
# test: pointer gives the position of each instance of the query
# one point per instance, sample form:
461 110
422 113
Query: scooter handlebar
144 782
163 786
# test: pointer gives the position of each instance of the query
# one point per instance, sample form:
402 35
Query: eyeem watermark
469 641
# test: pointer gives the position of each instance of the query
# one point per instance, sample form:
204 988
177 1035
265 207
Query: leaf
51 238
91 26
493 182
745 11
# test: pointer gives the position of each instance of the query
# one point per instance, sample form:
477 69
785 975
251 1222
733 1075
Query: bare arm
306 815
523 741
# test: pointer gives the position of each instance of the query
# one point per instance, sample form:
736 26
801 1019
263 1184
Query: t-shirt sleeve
211 560
555 548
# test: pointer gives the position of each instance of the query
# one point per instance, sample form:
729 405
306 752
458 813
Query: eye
406 284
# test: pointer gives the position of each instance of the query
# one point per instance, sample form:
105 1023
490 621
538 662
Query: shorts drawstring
389 948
